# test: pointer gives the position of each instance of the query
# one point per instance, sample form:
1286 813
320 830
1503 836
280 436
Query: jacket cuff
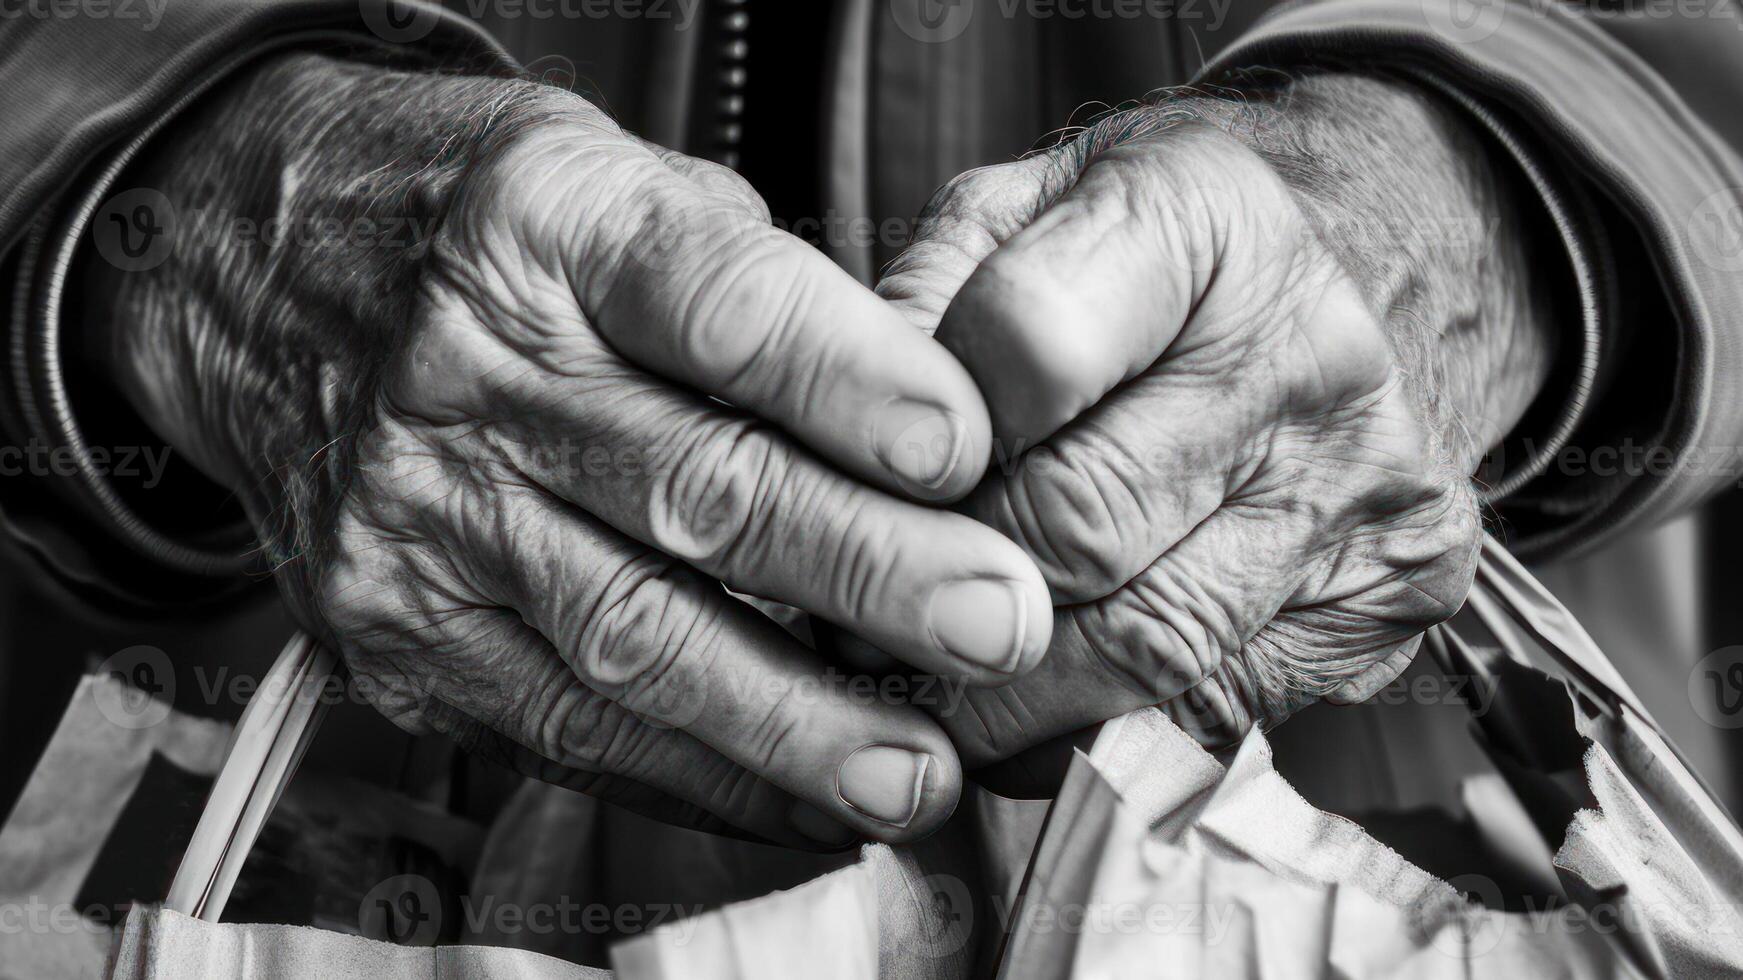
83 517
1627 172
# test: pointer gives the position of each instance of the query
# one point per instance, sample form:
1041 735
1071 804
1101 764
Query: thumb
1091 293
966 221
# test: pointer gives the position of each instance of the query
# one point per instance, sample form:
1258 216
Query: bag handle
269 741
1507 599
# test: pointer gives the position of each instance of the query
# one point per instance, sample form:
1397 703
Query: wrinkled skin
1240 497
545 489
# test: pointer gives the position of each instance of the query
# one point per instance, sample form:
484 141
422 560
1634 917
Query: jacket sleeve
90 492
1626 124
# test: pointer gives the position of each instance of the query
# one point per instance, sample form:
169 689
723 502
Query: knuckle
1440 546
777 733
990 724
401 477
704 507
1365 465
1340 356
1156 637
728 184
456 365
362 587
646 634
978 209
576 134
969 195
747 295
1074 515
593 735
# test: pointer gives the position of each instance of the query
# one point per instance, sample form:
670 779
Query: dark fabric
1663 418
77 85
79 89
1600 93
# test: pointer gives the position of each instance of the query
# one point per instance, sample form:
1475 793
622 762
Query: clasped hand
1163 448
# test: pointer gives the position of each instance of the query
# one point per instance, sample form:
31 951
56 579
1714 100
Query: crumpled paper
1658 859
893 915
1158 854
1155 852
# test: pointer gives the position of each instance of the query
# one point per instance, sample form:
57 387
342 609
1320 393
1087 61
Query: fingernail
920 442
980 620
883 782
815 825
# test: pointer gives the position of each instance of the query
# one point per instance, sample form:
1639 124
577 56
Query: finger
1249 617
550 726
1182 622
963 223
428 653
1369 682
1092 292
703 294
669 645
712 178
1121 484
737 500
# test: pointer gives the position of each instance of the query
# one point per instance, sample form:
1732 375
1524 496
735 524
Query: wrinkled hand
1243 492
600 385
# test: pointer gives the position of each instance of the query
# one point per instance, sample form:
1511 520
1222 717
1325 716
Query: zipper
730 25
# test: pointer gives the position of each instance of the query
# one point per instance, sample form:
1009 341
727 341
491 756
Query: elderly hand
503 458
1242 358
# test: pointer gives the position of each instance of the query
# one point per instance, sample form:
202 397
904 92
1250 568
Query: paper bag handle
268 743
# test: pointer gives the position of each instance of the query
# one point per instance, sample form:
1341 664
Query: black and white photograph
871 489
